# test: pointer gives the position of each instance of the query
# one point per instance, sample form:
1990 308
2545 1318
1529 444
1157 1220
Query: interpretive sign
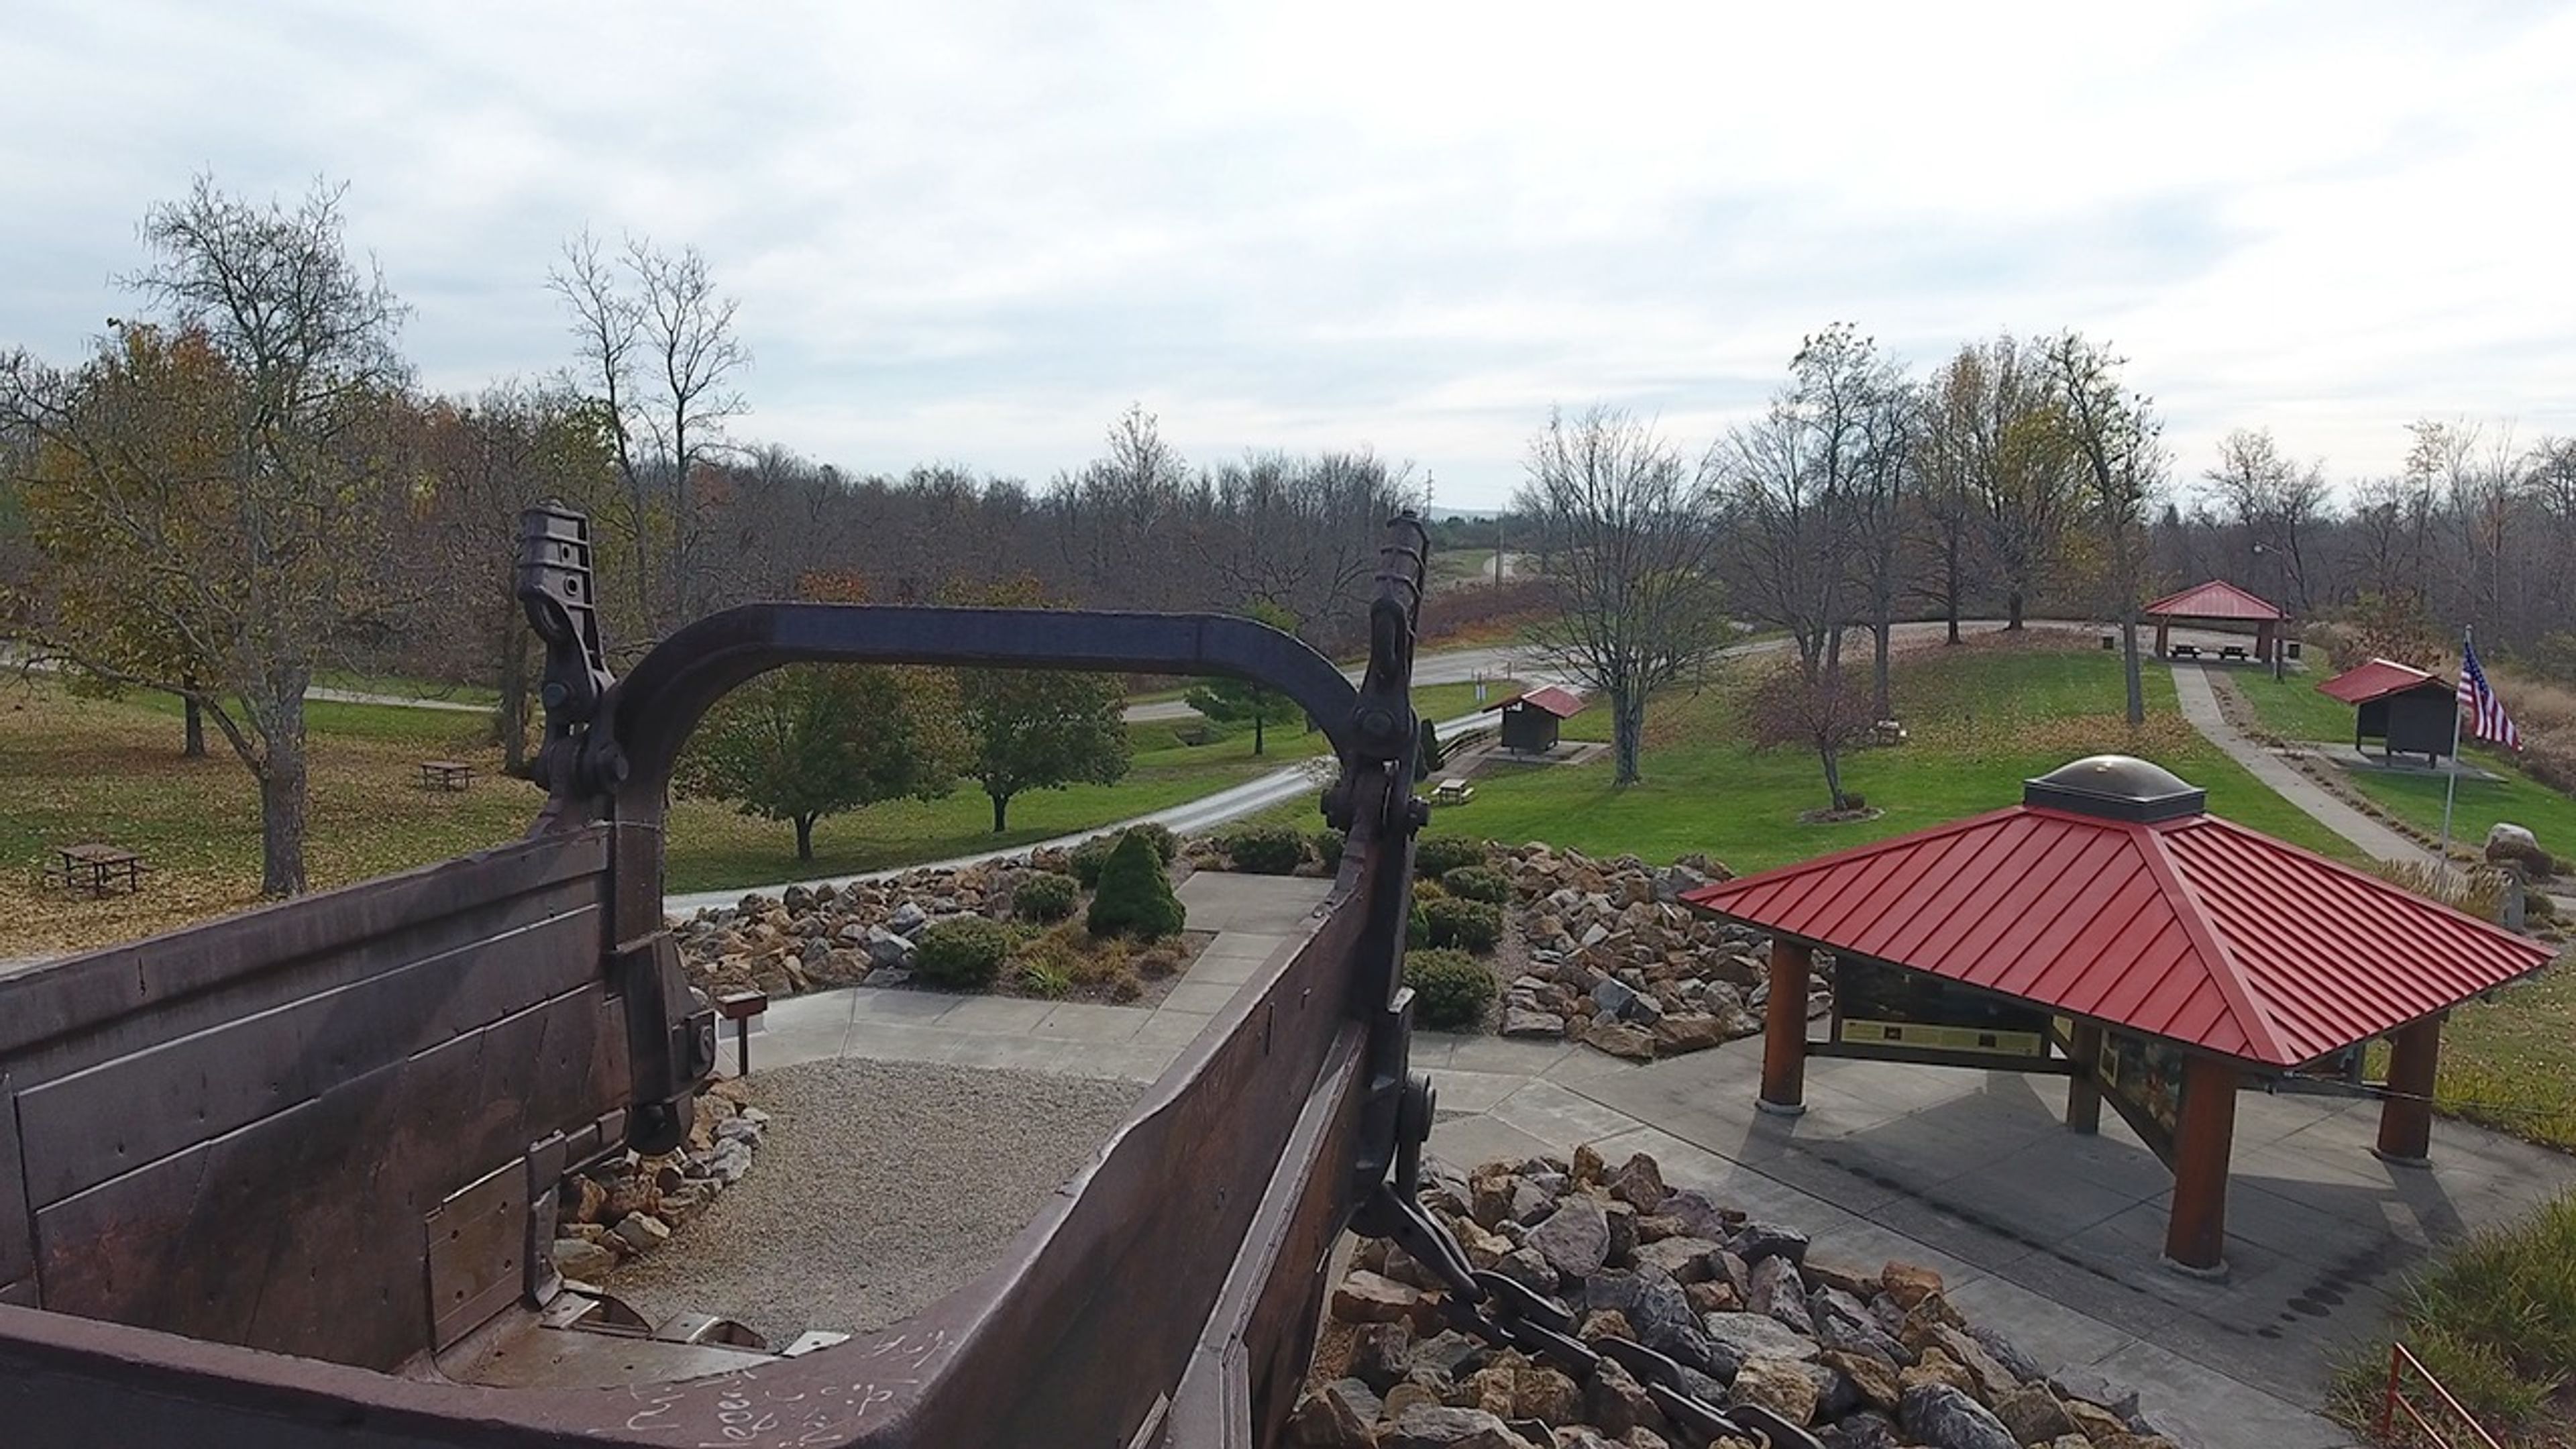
1888 1006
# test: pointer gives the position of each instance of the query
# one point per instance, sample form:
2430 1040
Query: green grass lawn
2291 708
75 769
1983 717
2295 711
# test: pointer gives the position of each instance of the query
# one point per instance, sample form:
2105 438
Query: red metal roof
2192 928
1563 703
2216 599
2378 679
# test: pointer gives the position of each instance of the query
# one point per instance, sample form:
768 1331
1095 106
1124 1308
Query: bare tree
2275 503
658 347
1636 536
1814 490
2115 435
209 494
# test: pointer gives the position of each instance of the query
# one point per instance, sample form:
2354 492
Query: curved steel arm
648 715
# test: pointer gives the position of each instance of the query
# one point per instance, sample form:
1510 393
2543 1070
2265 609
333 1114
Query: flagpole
2451 788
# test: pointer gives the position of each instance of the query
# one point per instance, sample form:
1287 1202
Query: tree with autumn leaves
209 492
810 741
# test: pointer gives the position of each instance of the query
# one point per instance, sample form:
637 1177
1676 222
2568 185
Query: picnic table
2231 651
445 775
95 868
2186 651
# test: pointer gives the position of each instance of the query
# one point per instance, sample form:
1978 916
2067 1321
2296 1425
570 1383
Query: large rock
1575 1239
1843 1321
1780 1293
1523 1021
1639 1182
1366 1297
890 949
2511 844
1944 1418
1755 1335
907 919
581 1259
1909 1283
1327 1420
1685 1260
1694 1031
1620 1039
1443 1427
1874 1376
2032 1415
1778 1384
1757 1241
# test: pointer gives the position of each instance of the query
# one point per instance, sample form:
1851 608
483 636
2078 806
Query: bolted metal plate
477 1245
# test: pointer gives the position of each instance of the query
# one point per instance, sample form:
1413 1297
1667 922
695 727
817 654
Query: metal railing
2400 1361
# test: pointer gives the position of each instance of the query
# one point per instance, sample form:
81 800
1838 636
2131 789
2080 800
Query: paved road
1448 666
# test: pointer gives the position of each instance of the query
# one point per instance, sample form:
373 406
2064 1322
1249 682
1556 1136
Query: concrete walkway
2051 1237
2200 706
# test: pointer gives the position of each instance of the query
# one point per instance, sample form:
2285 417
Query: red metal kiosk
2110 930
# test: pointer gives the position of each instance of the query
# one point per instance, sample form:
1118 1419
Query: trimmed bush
1267 850
1478 883
1135 895
1328 849
1436 855
1417 928
1167 846
1450 988
1474 925
965 954
1045 897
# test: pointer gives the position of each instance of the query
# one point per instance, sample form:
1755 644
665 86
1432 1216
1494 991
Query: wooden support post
2265 641
2196 1233
2164 629
1784 1029
2084 1089
2406 1114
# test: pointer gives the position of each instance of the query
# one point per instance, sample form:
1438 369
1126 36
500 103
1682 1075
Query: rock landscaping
1865 1357
628 1205
1596 951
1031 910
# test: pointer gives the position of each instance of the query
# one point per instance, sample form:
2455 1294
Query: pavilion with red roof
2111 930
2218 602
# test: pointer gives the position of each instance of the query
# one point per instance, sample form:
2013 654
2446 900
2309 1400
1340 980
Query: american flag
2486 717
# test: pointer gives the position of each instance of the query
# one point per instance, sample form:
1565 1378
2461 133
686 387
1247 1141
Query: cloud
976 231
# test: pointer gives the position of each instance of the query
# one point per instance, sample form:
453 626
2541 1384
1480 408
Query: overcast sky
974 232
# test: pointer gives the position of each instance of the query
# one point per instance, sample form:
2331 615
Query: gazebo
2218 602
2108 929
1531 718
2409 710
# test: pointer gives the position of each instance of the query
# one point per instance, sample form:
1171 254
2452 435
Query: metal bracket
670 1041
555 587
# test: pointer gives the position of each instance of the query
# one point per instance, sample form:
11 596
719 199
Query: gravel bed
880 1188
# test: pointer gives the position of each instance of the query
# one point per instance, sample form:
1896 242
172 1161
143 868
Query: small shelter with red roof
1531 718
2217 602
2110 930
2408 710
